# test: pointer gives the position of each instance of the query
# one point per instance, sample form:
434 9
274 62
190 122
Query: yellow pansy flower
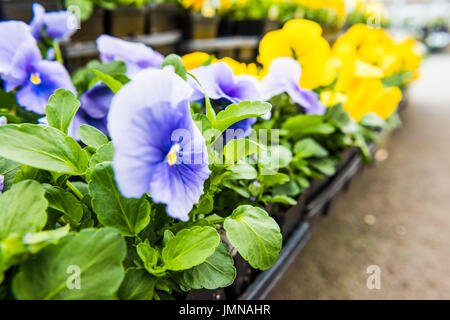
300 39
195 59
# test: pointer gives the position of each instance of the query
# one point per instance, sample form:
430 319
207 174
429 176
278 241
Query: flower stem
74 190
58 54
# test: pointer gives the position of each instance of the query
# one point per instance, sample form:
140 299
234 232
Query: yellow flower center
35 79
172 155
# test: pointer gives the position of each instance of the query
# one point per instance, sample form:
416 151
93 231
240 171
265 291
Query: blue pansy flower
59 25
158 148
96 101
219 83
22 66
137 56
284 77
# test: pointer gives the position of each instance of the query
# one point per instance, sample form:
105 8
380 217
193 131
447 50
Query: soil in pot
22 9
204 294
200 27
92 28
244 276
161 17
125 21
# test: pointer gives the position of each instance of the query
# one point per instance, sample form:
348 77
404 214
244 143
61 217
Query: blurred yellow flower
240 67
195 59
370 96
302 40
377 48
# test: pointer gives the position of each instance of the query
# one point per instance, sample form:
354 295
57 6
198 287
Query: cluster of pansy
364 70
157 101
22 65
296 60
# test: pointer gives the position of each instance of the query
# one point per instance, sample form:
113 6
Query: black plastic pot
92 28
126 21
227 27
204 294
161 17
256 27
22 9
200 27
289 217
244 276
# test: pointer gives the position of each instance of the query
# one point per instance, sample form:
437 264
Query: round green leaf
256 236
22 209
217 271
190 247
51 274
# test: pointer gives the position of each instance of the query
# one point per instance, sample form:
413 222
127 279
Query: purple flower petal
15 37
97 101
218 81
158 148
137 56
59 25
52 76
3 121
284 76
22 63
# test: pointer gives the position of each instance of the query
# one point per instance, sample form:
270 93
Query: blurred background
395 215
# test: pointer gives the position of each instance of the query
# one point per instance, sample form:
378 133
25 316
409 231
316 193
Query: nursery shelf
209 45
293 245
89 48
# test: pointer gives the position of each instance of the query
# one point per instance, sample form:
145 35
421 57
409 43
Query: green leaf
15 249
130 216
237 112
308 147
8 170
37 241
64 202
210 113
190 247
242 171
22 209
85 6
97 255
238 149
217 271
137 285
104 153
150 257
42 147
61 108
289 188
176 62
206 204
372 120
271 178
256 236
281 199
91 136
338 116
324 165
305 124
275 157
109 81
